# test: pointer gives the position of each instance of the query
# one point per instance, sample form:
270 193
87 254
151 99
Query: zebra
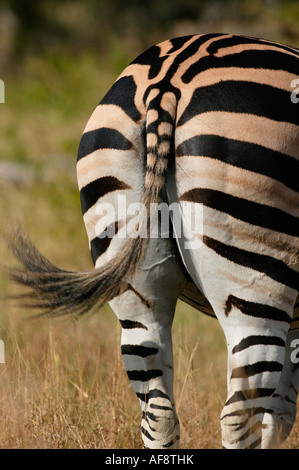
202 120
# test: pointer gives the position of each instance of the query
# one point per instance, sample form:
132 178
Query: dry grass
63 384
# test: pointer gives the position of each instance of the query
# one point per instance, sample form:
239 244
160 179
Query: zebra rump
58 292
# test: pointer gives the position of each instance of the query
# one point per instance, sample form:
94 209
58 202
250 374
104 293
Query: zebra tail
57 292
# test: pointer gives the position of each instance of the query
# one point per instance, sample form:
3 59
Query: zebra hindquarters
237 159
146 313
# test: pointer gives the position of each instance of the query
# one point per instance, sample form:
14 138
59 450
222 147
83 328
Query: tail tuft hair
58 292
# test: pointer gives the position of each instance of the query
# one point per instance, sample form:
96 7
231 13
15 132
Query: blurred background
63 384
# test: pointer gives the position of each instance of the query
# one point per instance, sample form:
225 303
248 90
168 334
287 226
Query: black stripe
245 155
257 340
144 375
247 412
255 309
122 94
164 116
160 407
156 62
238 40
103 138
273 268
177 43
252 394
256 368
130 325
147 415
155 393
143 300
242 97
246 59
136 350
100 244
146 434
251 212
152 58
93 191
190 51
150 425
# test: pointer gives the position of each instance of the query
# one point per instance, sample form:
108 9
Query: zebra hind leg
284 399
147 355
146 313
256 413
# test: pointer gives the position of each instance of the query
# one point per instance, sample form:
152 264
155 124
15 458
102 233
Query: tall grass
63 384
63 387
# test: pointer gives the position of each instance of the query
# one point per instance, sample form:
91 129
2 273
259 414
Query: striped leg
146 313
284 400
147 355
256 333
